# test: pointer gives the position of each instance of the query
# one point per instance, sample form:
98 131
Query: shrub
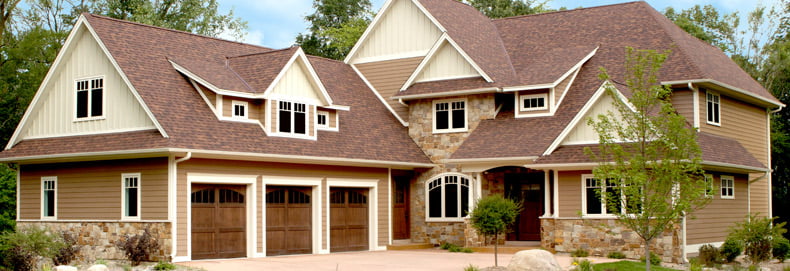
21 249
471 268
654 259
730 249
615 255
138 248
68 252
781 247
446 246
694 264
164 266
757 234
709 255
581 253
583 265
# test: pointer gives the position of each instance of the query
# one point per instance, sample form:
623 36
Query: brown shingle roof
259 70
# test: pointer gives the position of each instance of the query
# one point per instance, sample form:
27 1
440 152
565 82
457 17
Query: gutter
450 93
721 84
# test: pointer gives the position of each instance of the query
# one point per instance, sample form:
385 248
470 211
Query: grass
627 266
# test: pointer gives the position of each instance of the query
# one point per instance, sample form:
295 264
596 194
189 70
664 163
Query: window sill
607 216
49 218
718 124
295 136
130 218
727 197
449 131
89 119
452 219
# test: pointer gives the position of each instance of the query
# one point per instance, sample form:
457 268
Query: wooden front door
288 220
218 221
348 219
528 189
400 209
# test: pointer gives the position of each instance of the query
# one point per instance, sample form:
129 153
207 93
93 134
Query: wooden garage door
348 219
288 223
218 222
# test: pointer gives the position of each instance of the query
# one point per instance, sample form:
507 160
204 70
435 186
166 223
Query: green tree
335 26
494 215
708 25
508 8
646 153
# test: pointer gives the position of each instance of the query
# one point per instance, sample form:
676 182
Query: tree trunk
496 248
647 255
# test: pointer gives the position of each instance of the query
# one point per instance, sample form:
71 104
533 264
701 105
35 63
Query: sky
275 23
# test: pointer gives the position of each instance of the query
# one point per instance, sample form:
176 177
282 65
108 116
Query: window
49 197
322 119
594 199
449 197
240 109
292 118
449 116
709 186
90 98
727 187
131 195
534 102
714 108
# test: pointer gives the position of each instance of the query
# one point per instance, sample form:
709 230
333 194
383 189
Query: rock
533 260
98 267
65 268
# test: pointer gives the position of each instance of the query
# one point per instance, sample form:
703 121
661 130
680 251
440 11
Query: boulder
65 268
98 267
533 260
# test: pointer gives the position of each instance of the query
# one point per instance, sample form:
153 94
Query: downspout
695 99
683 246
174 195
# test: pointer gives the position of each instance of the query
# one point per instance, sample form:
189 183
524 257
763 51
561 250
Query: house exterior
222 149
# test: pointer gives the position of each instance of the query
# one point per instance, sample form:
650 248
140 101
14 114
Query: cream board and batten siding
447 63
296 85
55 113
323 173
711 223
585 134
387 77
403 31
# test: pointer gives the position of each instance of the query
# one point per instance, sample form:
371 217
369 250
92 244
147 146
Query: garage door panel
218 221
348 219
288 220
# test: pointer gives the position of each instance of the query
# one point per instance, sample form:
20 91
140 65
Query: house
223 149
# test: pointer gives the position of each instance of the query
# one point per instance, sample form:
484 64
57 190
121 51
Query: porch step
405 245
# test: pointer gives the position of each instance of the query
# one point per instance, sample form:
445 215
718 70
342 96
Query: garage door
348 219
288 223
218 222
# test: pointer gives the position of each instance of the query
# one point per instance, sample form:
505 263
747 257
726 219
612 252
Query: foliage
757 234
781 248
731 249
165 266
446 246
335 26
694 264
654 259
582 265
455 248
21 249
471 268
627 266
580 252
646 152
709 255
615 255
493 215
138 247
68 252
7 198
508 8
706 24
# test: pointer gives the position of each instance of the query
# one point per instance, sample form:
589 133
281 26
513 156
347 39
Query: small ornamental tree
494 215
648 155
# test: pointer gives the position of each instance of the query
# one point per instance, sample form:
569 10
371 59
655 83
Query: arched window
448 197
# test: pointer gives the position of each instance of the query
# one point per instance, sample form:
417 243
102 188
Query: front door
528 189
218 221
400 209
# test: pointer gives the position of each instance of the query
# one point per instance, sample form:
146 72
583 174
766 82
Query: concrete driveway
428 259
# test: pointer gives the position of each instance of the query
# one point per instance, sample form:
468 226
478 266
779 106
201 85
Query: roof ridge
263 53
655 15
171 30
568 10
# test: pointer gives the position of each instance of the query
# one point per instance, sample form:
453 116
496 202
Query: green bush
21 249
68 252
583 265
781 247
757 235
471 268
654 259
138 248
709 255
730 250
694 264
162 265
580 253
615 255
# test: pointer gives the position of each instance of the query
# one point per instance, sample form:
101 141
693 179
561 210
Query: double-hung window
90 98
727 187
714 108
292 118
131 195
606 198
240 109
322 119
49 197
449 197
449 116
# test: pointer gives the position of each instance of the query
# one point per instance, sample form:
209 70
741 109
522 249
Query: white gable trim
431 53
376 92
583 112
376 20
67 47
202 95
301 56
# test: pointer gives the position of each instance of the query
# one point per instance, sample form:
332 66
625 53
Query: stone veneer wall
602 236
98 238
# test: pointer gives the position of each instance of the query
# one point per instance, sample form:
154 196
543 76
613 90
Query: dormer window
292 118
240 109
322 119
533 102
89 103
449 116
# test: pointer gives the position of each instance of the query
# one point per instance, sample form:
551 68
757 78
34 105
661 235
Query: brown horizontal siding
759 194
712 223
220 167
570 192
740 121
254 106
388 77
92 190
683 101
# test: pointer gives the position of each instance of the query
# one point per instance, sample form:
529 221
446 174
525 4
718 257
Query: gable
295 84
52 113
402 31
447 63
583 133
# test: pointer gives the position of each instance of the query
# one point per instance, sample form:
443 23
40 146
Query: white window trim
732 180
123 196
103 99
472 198
545 97
246 106
605 212
43 180
709 188
449 103
309 126
707 118
322 113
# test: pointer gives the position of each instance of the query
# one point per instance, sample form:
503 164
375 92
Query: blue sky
275 23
